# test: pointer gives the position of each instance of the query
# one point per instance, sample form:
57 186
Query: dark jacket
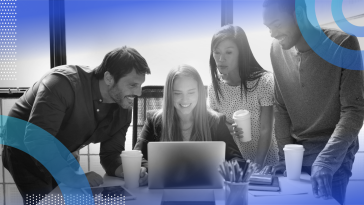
73 122
152 132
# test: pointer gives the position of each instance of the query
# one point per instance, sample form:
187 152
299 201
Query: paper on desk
276 193
288 187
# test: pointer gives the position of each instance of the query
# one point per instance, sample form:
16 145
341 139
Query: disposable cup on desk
132 152
236 193
293 154
131 161
242 119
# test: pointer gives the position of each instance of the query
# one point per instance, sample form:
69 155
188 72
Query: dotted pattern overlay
77 199
7 40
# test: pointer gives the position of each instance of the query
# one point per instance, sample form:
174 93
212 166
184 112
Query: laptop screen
185 164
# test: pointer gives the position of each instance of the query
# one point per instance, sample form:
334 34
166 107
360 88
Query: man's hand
280 167
143 181
94 179
321 179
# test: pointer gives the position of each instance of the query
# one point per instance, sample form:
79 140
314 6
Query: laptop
185 165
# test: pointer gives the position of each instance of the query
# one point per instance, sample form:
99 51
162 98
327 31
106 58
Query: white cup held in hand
242 119
131 161
293 154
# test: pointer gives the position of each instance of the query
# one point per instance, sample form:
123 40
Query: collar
96 94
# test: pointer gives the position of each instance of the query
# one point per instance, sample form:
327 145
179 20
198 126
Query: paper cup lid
132 155
241 114
293 147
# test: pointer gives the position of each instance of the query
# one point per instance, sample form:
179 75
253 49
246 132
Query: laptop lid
192 165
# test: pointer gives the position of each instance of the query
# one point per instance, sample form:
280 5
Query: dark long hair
249 68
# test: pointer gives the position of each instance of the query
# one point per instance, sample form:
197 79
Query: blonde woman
184 115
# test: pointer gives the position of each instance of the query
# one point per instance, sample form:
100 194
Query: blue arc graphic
345 25
43 158
334 54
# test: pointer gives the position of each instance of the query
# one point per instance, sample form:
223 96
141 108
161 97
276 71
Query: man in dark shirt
77 106
319 95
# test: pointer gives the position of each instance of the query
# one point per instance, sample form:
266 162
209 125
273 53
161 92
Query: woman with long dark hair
239 82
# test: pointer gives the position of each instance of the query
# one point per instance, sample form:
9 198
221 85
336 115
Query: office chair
151 99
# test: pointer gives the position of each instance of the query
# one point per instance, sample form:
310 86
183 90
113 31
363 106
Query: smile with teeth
185 105
130 97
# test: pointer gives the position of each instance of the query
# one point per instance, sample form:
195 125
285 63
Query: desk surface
293 192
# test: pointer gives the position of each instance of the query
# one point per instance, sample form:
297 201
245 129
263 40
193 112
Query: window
248 15
166 33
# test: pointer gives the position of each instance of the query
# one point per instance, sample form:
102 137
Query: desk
145 196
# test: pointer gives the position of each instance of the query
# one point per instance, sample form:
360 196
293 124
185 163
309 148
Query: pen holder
236 193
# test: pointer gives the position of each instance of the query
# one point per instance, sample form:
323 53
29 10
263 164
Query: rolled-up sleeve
351 114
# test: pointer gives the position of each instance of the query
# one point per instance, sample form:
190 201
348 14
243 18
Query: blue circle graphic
39 152
345 25
329 50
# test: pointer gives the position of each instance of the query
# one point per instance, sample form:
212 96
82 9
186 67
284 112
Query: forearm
351 118
119 171
335 150
264 143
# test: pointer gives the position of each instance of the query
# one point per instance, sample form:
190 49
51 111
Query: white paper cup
132 152
293 155
242 119
131 167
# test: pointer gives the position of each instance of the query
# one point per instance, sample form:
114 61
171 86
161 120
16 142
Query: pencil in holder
236 193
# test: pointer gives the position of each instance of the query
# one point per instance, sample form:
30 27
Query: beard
119 97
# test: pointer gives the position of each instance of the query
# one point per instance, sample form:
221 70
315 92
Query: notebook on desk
259 186
185 165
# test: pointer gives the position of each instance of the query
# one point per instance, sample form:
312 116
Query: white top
263 95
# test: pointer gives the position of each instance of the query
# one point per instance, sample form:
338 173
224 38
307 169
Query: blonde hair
171 130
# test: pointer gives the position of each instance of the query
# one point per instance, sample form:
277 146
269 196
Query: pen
247 163
222 171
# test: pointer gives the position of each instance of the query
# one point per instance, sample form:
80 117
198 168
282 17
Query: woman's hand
237 131
143 181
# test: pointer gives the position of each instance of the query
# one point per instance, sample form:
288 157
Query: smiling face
226 56
185 95
282 25
128 87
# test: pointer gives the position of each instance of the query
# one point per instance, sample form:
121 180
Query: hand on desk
94 179
280 167
143 181
321 179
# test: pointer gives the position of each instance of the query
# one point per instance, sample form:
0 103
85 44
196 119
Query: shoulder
154 116
215 118
265 81
57 84
267 77
341 38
